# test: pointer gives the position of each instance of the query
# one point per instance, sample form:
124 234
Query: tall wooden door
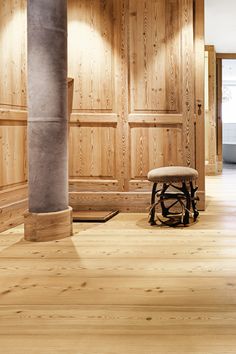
133 62
199 98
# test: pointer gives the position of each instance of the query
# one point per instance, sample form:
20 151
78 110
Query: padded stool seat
182 195
172 174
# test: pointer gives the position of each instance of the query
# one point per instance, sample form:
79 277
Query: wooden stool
182 195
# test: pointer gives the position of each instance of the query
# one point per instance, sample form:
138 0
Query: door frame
199 99
219 82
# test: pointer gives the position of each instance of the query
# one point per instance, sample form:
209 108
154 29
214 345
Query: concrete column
47 122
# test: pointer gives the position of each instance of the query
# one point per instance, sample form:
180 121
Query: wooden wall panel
154 146
97 62
133 107
13 53
13 155
188 81
155 55
161 42
93 152
135 96
12 92
90 53
13 115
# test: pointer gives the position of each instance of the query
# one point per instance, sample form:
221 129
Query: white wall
220 25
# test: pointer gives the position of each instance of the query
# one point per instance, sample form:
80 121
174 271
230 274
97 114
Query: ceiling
220 25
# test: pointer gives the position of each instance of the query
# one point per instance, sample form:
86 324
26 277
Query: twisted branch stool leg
153 209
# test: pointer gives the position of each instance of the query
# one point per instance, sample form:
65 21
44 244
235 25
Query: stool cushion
172 174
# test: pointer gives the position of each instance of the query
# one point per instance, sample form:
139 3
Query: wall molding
147 118
13 204
13 115
90 118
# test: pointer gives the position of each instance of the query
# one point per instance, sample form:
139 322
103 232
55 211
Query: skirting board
126 202
93 216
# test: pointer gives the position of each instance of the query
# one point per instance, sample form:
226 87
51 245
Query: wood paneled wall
13 53
133 107
132 62
13 115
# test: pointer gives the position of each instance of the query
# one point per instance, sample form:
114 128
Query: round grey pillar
47 118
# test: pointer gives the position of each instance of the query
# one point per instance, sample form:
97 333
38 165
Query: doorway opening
220 111
226 111
229 114
219 36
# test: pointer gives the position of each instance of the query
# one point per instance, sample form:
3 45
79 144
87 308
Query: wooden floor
125 287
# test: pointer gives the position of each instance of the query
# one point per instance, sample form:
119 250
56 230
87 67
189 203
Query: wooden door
161 66
199 98
133 62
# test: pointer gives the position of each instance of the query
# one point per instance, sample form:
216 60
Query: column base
40 227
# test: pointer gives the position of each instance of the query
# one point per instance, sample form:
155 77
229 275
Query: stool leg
188 203
165 211
152 212
193 199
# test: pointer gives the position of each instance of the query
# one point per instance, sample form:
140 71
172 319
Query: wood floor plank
117 344
117 320
71 251
124 287
137 291
119 267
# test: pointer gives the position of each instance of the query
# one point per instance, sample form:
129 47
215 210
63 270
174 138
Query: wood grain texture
122 201
94 118
121 14
12 155
93 154
123 343
70 85
154 146
13 204
13 53
134 103
199 99
162 120
13 115
40 227
92 185
13 194
90 53
11 214
155 54
128 320
133 107
226 55
98 65
210 116
137 118
124 286
187 56
12 92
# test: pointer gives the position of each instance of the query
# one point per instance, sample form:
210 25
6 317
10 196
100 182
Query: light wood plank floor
125 287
